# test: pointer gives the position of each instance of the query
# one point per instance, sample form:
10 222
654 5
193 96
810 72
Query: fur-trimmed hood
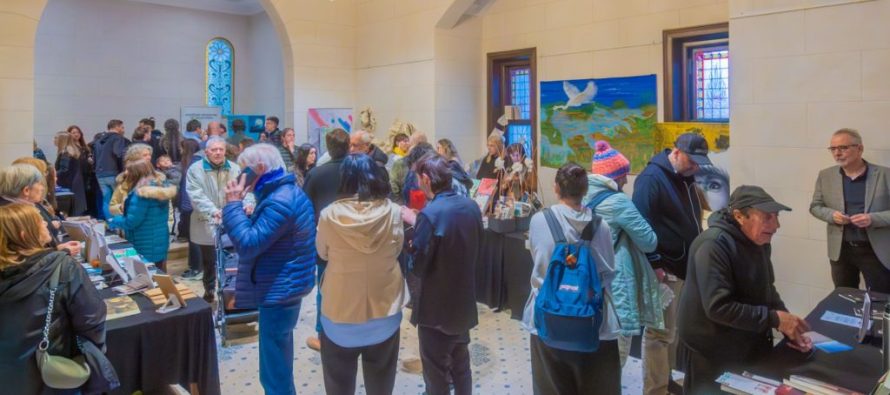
157 192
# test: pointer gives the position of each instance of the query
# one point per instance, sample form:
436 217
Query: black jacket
669 202
378 155
24 294
70 174
109 150
728 303
322 183
446 247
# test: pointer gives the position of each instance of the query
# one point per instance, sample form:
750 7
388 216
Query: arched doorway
20 19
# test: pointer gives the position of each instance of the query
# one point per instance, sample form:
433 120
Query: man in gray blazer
854 199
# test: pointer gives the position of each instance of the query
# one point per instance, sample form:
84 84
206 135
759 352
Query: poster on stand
576 113
323 120
253 125
204 114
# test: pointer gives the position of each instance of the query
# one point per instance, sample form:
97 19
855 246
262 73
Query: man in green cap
730 305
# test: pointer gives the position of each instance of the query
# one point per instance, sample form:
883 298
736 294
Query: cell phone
249 176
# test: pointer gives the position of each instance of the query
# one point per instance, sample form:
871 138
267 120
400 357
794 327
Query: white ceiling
237 7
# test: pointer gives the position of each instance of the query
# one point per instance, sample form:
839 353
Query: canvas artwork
577 113
323 120
713 180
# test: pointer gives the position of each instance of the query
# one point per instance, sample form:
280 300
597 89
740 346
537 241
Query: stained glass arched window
220 74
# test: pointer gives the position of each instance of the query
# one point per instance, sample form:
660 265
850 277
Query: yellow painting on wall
717 134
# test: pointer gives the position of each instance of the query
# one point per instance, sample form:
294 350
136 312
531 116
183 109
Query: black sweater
729 300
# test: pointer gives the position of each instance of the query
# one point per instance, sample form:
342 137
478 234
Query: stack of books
816 387
751 384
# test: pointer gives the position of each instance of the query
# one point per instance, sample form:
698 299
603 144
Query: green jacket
635 291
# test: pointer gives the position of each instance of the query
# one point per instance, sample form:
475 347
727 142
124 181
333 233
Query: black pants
340 364
208 264
861 258
560 372
445 356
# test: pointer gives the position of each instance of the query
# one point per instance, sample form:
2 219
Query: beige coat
361 242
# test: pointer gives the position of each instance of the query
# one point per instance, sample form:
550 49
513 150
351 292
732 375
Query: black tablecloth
150 350
503 277
858 369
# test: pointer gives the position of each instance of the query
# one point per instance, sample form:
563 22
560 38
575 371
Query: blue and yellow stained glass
220 74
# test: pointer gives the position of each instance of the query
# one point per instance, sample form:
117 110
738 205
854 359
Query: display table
150 351
503 276
858 369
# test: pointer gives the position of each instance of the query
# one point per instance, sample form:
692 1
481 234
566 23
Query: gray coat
829 197
206 189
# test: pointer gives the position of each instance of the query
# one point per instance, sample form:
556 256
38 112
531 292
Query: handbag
57 371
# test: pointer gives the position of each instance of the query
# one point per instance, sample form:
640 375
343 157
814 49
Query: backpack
569 305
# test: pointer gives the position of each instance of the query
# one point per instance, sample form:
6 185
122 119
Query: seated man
729 304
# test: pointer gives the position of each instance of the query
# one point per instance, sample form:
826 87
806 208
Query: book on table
119 307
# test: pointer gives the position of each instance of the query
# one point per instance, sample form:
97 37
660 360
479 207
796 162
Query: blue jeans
106 185
321 264
277 325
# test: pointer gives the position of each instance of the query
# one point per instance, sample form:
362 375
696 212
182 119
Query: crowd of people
379 232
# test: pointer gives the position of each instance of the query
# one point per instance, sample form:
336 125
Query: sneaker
313 343
412 365
192 274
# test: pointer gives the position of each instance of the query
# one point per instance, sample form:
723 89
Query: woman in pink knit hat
636 294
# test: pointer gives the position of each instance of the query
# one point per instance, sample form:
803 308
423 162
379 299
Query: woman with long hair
494 160
288 148
307 155
360 236
69 170
26 267
461 181
171 139
91 185
145 212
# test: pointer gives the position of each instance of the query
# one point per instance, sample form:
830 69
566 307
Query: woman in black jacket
25 270
69 171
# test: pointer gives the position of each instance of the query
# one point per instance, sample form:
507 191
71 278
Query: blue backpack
569 305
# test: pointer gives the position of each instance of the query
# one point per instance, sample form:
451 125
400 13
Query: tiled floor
499 355
498 349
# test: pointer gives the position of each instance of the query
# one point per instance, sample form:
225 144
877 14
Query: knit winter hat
609 162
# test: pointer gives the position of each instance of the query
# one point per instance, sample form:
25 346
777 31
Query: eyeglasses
841 148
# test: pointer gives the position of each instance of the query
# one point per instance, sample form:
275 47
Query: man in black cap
665 194
730 304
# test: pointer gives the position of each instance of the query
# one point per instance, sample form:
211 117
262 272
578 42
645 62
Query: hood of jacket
365 226
378 155
20 281
156 192
661 160
722 219
597 183
459 174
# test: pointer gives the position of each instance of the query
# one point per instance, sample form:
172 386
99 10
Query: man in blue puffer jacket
276 248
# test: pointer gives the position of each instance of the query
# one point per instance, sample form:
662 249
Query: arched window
220 74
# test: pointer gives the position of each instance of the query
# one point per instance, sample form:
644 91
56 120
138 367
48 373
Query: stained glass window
520 133
711 83
520 86
220 74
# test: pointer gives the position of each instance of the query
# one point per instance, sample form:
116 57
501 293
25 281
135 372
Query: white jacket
361 242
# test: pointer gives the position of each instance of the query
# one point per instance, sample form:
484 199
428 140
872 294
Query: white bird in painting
576 97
